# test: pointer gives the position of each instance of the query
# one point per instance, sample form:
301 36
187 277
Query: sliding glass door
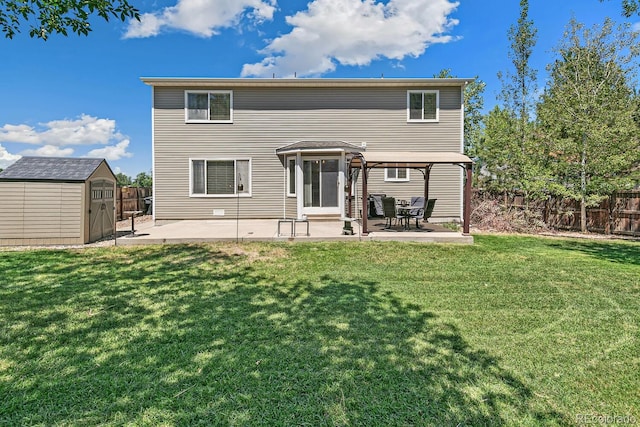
321 183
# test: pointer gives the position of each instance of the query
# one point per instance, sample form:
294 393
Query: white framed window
213 106
291 176
396 174
423 105
220 177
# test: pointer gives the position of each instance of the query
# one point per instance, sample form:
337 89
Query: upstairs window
423 105
209 106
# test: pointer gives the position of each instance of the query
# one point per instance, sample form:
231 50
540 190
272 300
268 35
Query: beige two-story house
273 148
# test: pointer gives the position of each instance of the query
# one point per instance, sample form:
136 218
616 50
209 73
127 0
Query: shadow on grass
190 335
625 253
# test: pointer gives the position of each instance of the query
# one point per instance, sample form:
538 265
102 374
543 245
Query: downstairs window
220 177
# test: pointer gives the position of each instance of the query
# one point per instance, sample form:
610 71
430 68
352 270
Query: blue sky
82 96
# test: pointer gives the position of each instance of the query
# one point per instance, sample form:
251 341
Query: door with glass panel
320 189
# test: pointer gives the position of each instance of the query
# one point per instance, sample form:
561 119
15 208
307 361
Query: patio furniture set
400 211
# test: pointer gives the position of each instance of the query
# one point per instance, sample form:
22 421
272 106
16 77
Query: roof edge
71 181
319 146
302 82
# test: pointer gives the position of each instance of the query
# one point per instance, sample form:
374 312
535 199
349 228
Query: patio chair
390 213
428 210
375 205
417 209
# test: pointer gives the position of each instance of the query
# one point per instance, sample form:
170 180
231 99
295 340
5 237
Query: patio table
133 214
403 211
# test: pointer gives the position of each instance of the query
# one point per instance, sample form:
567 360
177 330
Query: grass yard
509 331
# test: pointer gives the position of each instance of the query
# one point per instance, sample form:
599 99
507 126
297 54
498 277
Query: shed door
102 212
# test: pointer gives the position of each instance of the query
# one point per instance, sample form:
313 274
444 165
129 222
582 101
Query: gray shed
56 200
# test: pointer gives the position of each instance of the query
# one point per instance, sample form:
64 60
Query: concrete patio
195 231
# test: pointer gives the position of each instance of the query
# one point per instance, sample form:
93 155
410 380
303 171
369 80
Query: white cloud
19 133
201 17
354 32
86 130
56 138
112 152
49 151
636 26
7 158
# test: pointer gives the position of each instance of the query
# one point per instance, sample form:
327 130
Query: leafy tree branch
46 17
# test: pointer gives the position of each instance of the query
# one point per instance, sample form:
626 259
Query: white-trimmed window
423 105
396 174
220 177
202 106
291 176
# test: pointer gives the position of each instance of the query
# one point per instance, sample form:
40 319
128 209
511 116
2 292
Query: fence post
610 205
120 209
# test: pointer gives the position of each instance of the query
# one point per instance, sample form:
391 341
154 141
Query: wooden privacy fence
618 214
131 199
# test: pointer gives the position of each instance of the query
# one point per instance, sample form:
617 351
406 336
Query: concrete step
324 217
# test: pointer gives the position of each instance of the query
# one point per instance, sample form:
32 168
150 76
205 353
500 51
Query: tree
46 17
123 180
629 7
588 114
143 180
508 150
519 88
496 149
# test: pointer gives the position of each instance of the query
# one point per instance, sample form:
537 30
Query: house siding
267 118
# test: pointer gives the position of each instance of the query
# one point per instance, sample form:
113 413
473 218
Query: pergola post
466 210
427 174
365 196
349 187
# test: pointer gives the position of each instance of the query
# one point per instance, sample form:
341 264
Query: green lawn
509 331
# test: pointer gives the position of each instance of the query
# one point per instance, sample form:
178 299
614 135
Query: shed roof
67 169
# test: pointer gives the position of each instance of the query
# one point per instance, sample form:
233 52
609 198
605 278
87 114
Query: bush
489 213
